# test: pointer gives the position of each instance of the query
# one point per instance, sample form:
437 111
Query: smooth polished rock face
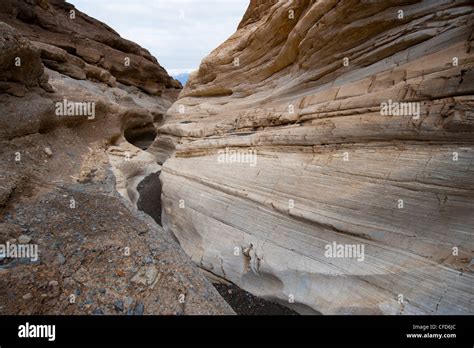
322 157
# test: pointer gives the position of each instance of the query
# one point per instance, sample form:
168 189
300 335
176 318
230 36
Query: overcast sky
179 33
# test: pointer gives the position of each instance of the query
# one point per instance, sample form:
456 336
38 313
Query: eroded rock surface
305 86
68 179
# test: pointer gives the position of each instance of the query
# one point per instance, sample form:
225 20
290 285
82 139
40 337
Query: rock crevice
69 179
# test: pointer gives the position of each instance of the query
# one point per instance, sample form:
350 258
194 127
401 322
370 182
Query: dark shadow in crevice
244 303
141 136
149 201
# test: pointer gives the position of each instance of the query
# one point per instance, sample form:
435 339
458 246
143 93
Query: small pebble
61 259
119 305
128 301
24 239
98 311
139 309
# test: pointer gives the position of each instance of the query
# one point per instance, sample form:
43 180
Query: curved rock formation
342 126
79 46
69 101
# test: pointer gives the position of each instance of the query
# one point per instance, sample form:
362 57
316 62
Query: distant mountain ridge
183 77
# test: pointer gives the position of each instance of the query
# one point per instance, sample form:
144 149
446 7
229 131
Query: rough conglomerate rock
311 88
68 176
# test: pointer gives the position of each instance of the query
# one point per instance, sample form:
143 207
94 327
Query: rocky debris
104 262
48 151
63 116
119 305
27 297
316 98
147 275
139 309
244 303
23 239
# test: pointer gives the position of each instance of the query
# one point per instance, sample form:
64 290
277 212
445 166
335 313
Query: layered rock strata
72 91
322 157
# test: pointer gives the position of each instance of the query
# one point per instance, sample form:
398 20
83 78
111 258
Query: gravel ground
96 255
244 303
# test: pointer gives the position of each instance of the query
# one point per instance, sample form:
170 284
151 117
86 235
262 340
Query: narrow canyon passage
69 177
149 201
319 161
138 172
241 301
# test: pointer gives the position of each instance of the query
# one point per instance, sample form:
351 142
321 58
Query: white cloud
174 72
179 33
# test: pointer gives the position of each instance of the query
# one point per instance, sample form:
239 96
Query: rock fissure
70 182
120 199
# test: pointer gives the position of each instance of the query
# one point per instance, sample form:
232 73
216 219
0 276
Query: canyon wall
78 104
290 141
